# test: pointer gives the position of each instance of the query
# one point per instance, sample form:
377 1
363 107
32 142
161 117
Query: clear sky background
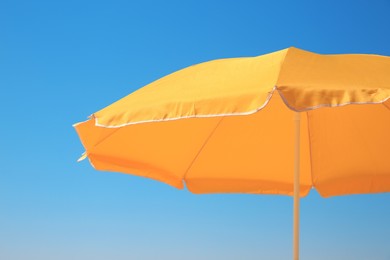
60 61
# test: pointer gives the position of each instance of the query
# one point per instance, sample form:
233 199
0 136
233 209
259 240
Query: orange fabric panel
350 149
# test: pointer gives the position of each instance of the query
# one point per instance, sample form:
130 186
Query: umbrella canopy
235 125
226 126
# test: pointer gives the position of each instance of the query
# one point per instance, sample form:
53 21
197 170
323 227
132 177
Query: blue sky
60 61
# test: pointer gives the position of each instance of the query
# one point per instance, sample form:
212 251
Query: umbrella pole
297 123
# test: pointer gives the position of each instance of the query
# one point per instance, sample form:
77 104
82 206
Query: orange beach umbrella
280 123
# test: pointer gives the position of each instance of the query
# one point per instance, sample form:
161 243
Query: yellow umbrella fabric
226 126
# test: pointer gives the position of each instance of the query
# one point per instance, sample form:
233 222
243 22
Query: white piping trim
237 114
270 94
76 124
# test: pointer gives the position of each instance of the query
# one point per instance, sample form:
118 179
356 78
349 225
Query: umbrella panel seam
202 147
310 149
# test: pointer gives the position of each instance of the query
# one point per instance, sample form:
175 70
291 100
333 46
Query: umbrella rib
105 138
387 105
310 150
203 145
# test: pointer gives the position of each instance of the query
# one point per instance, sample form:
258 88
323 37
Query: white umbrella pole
297 121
